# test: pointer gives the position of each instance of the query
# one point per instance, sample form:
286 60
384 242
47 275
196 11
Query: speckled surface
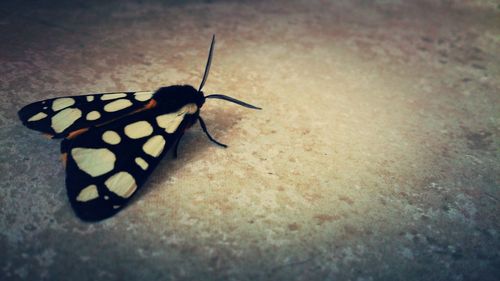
376 156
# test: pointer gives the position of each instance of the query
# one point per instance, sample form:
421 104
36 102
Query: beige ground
376 156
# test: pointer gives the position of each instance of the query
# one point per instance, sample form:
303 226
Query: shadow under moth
112 142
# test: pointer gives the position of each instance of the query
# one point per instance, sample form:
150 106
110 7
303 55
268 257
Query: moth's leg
204 128
177 144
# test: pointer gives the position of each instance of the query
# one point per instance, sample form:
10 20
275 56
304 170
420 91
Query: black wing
59 117
108 164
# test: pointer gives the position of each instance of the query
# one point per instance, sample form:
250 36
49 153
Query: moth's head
179 95
199 96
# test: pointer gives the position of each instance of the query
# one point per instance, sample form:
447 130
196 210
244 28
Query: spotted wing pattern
58 117
106 165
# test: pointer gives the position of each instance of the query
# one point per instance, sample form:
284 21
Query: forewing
107 165
60 116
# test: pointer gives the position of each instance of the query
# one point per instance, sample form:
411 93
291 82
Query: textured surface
376 156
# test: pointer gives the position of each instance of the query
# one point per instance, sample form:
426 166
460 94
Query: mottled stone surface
376 156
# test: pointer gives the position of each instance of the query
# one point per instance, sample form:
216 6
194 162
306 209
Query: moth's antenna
204 127
223 97
209 62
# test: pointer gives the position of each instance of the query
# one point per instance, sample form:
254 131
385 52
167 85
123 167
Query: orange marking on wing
49 136
151 104
75 133
64 159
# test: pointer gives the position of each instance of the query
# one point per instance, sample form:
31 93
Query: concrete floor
376 156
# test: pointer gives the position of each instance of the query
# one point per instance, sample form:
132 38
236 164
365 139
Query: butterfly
112 142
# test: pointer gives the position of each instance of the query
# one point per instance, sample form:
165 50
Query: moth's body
113 142
108 157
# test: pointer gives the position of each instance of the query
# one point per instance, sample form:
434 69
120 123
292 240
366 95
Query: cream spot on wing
94 161
45 107
143 96
154 146
122 184
171 121
88 193
116 206
90 98
138 130
117 105
106 197
93 115
65 118
111 137
142 163
113 96
61 103
190 108
38 116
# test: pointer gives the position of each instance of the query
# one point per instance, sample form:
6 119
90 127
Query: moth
113 141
